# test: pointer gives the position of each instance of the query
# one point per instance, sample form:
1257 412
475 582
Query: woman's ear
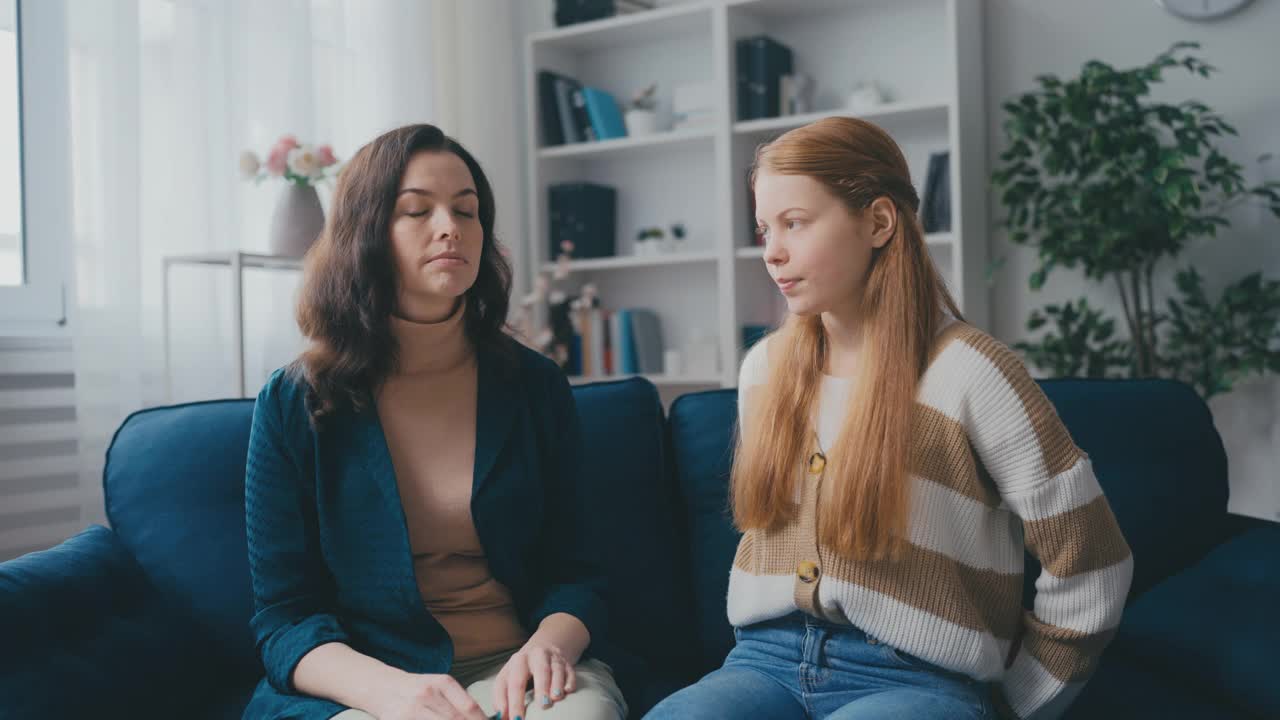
884 221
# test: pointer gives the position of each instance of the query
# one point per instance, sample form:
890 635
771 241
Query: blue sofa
150 618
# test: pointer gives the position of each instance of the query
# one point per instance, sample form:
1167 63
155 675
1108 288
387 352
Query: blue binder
606 118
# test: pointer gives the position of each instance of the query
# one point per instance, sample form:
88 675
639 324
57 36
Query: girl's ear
884 221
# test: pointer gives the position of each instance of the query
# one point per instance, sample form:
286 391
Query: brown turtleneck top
428 412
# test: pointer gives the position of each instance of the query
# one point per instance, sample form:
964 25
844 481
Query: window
11 262
35 169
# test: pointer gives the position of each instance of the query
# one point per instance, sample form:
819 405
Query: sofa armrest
85 635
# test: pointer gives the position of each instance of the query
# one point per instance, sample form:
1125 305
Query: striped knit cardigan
992 470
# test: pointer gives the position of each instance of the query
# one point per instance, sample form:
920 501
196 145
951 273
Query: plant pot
296 221
641 122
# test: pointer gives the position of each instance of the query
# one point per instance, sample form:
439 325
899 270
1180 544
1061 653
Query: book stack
569 12
604 343
572 113
584 214
761 64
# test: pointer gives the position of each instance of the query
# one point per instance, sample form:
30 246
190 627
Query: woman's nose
445 226
774 254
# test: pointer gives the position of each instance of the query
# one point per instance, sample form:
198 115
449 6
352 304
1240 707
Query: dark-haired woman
412 483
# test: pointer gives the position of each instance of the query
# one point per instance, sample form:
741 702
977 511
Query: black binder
762 61
584 214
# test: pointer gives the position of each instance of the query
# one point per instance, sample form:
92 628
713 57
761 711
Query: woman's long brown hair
865 495
349 286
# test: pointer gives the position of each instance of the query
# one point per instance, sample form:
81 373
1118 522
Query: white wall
1029 37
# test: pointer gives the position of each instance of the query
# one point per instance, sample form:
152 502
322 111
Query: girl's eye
416 214
762 230
465 214
791 224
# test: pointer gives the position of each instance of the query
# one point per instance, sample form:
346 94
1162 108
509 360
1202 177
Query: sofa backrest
1153 445
174 486
174 489
1160 462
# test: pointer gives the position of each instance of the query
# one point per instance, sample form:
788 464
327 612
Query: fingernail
556 693
546 701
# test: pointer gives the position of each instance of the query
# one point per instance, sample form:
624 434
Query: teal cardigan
328 545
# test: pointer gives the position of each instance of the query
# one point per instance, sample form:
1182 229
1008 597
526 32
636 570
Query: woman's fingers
570 679
557 678
540 669
517 680
461 701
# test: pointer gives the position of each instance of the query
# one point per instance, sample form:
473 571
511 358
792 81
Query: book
580 115
935 209
552 131
606 118
646 337
564 110
599 341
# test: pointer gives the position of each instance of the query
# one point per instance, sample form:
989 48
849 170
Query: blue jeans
802 667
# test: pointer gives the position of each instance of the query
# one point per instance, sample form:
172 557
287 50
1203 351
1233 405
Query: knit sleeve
1067 524
291 587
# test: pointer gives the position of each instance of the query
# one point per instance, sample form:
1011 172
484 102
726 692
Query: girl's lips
787 284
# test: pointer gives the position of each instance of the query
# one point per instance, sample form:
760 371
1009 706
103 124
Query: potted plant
298 217
642 115
1100 177
649 241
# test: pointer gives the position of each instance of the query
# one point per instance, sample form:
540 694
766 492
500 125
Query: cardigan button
817 463
807 571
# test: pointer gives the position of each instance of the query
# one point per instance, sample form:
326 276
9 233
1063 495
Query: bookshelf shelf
921 54
626 263
628 30
886 115
673 140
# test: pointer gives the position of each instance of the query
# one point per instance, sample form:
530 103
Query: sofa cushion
174 488
85 635
1160 462
625 459
1214 625
1127 687
702 430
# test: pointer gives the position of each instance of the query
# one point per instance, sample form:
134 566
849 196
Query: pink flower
324 154
277 161
287 143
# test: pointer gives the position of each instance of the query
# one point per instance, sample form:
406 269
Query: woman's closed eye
421 213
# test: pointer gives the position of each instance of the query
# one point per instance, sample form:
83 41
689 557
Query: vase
641 122
296 221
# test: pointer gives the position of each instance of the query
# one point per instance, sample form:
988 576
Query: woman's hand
548 659
428 697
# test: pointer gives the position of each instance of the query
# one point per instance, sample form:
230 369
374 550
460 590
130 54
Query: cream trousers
596 697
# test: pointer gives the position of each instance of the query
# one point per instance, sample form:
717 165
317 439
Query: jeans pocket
909 661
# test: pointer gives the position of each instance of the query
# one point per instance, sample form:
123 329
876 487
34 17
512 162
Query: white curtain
164 96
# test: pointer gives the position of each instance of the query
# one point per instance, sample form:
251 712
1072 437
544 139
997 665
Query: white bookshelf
926 56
